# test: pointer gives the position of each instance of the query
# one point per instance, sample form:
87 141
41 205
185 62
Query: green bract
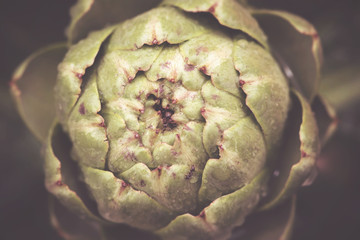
178 121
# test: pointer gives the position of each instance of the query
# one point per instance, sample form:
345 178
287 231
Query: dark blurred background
329 209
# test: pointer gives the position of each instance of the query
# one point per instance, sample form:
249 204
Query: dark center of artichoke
165 112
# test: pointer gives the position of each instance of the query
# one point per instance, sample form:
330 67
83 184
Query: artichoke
179 122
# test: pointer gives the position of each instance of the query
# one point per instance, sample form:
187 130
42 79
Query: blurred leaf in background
330 208
24 27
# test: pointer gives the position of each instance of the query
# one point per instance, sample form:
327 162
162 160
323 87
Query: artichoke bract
178 121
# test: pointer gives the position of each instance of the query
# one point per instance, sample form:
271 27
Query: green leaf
217 220
229 13
240 161
62 176
70 226
275 224
266 89
159 25
86 128
297 42
325 117
32 86
72 69
90 15
297 154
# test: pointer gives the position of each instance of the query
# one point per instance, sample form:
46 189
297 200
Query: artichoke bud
180 107
175 119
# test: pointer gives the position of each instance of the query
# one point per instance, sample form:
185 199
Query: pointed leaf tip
298 43
32 87
297 154
90 15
